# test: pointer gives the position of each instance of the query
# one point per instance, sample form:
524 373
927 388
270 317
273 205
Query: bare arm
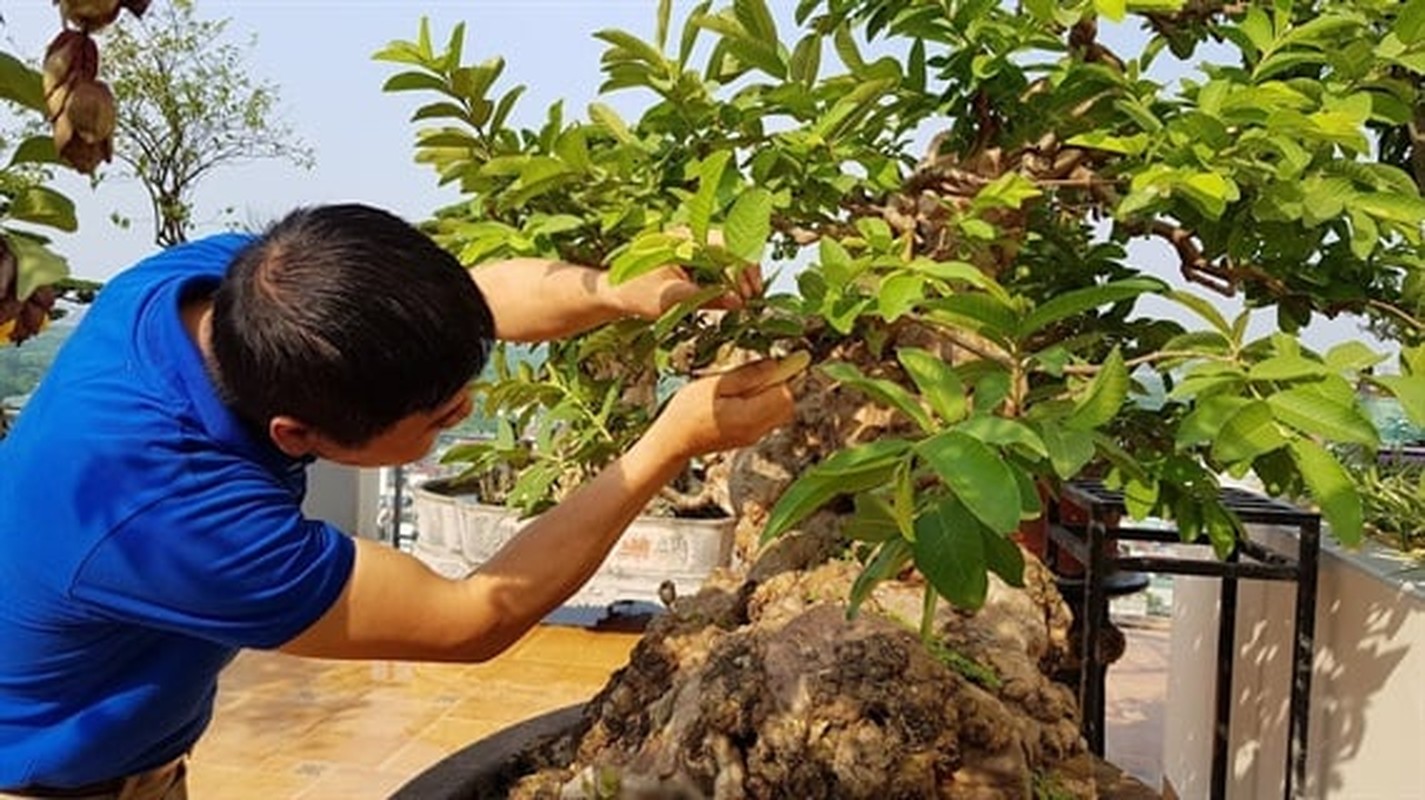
536 300
393 607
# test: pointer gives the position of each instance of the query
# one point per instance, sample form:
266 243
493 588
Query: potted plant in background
961 211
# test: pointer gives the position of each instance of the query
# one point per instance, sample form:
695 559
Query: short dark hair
349 319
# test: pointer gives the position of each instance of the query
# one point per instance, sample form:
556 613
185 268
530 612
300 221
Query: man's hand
733 409
650 295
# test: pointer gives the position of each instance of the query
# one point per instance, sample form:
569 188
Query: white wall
344 496
1367 729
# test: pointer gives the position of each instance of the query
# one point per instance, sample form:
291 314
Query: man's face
406 441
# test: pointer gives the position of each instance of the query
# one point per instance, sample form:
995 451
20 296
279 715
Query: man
150 522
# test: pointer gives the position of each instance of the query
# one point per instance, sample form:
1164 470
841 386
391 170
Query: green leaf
1410 22
937 382
1315 414
1209 191
605 116
36 150
1332 489
1205 421
758 20
1007 191
846 48
1003 557
44 206
1115 10
892 394
899 294
1078 301
1393 207
873 520
632 45
1352 356
679 312
503 108
21 84
1258 28
1410 391
704 202
442 110
959 272
1002 432
35 264
1247 433
415 81
845 472
1123 145
973 312
1069 450
950 551
806 60
977 475
665 11
644 254
850 108
1286 368
1198 343
888 560
1105 395
749 224
1203 308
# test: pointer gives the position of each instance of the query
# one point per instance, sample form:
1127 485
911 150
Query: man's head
343 332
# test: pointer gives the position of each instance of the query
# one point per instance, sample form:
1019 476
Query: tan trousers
167 782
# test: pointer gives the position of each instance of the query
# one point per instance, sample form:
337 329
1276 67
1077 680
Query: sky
318 52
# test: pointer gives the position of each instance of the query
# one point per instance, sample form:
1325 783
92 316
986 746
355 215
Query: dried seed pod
89 14
71 56
34 314
86 156
9 271
84 129
90 110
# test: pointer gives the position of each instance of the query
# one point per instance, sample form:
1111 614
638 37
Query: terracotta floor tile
574 646
352 783
216 782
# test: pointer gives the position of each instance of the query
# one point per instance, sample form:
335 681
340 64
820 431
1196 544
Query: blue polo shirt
145 537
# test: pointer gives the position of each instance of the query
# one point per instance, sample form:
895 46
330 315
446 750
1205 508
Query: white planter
456 534
1367 720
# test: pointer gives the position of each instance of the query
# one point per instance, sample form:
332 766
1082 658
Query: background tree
188 106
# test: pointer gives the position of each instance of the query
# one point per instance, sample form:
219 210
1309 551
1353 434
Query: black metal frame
1090 545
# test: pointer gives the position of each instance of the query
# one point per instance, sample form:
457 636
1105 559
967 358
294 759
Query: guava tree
978 288
32 276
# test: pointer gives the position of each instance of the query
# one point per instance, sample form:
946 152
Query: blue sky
319 53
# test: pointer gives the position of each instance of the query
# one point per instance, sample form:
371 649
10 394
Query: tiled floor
297 729
288 728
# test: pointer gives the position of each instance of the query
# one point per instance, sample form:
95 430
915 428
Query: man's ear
292 436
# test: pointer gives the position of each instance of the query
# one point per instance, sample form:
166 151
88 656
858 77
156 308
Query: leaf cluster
1004 247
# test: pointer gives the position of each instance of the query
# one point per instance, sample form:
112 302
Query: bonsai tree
954 189
979 288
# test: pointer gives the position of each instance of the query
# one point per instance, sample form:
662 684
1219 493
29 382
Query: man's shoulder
209 256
